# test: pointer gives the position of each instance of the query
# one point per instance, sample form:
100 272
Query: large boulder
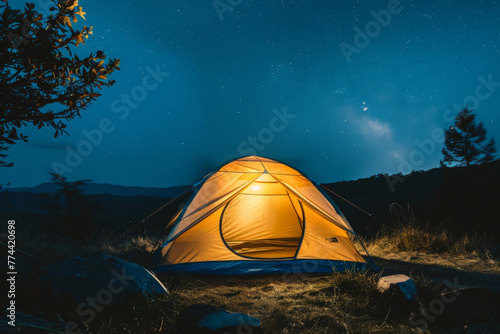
208 319
83 286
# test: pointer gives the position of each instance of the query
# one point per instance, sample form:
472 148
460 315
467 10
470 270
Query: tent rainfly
257 215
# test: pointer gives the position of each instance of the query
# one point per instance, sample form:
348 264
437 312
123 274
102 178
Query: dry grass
407 234
338 303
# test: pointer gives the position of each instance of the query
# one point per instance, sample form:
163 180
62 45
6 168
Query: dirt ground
308 303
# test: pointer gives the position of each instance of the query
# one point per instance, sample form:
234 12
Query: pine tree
464 142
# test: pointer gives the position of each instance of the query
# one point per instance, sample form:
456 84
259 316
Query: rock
86 285
467 307
401 292
208 319
402 282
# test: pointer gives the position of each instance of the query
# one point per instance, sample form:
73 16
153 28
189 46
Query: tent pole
366 251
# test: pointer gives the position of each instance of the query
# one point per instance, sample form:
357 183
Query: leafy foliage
463 144
42 82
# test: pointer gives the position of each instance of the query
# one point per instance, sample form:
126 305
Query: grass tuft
406 233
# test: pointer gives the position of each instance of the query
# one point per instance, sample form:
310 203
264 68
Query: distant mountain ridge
105 189
465 197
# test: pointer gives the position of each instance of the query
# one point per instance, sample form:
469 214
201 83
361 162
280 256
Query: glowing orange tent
257 215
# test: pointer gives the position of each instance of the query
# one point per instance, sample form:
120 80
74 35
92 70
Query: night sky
321 85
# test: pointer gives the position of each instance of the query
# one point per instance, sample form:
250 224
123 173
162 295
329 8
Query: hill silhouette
105 189
465 198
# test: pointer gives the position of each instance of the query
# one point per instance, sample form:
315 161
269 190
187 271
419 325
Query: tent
257 215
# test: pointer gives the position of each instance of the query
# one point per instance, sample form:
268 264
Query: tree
71 212
42 82
463 143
